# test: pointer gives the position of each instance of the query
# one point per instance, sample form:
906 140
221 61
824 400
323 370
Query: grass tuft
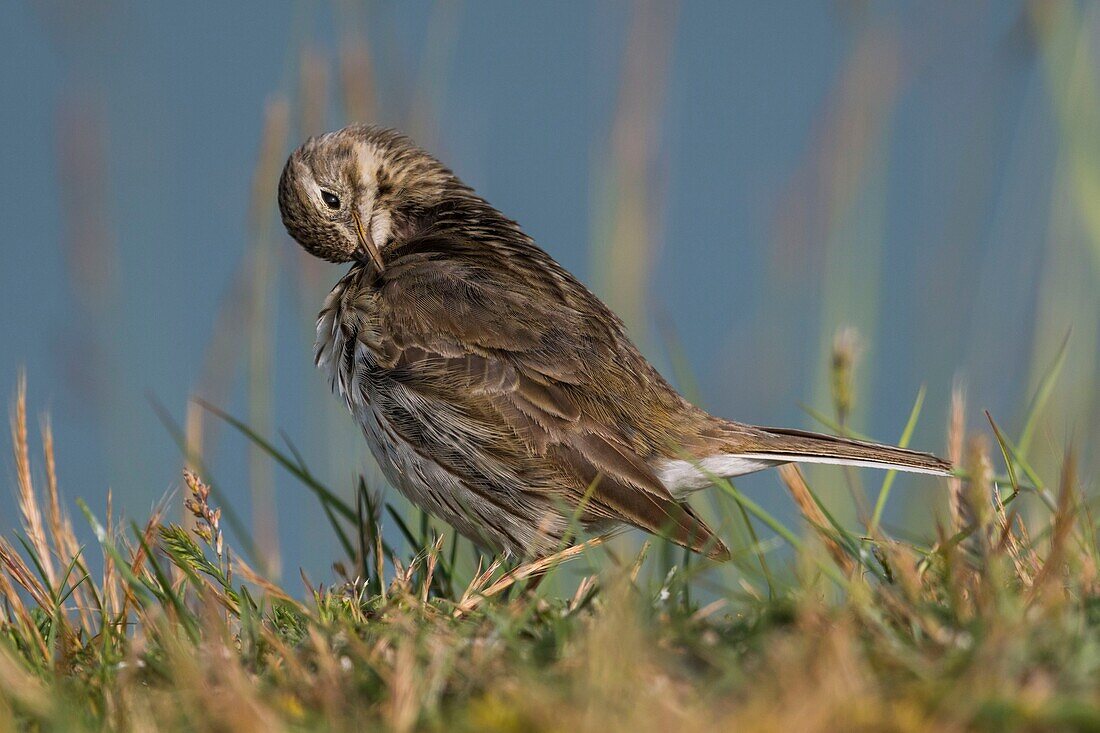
995 624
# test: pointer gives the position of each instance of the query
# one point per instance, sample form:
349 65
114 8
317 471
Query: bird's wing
510 362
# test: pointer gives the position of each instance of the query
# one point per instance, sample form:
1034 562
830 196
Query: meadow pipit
495 390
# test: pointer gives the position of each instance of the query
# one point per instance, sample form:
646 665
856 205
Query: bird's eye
331 200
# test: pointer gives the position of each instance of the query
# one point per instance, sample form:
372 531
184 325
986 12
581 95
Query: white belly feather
424 481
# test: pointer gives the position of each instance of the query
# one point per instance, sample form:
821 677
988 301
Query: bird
495 390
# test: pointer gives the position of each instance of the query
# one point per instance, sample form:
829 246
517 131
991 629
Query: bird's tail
745 449
784 445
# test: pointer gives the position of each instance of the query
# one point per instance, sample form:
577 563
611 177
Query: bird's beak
367 251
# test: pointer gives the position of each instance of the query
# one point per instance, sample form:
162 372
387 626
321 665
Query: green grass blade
888 480
776 526
1042 394
121 564
165 585
342 536
402 527
236 524
322 492
757 548
832 424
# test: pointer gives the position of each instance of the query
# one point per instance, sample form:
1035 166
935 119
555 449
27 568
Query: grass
994 624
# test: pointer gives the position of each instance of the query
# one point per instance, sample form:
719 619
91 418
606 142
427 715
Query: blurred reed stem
853 165
1069 288
273 143
624 242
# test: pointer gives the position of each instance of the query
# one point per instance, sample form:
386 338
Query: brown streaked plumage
494 389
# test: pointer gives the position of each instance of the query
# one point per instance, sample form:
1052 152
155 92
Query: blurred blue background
739 180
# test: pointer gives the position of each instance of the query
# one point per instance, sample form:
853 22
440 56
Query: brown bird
495 390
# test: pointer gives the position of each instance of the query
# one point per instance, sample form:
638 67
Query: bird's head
344 195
